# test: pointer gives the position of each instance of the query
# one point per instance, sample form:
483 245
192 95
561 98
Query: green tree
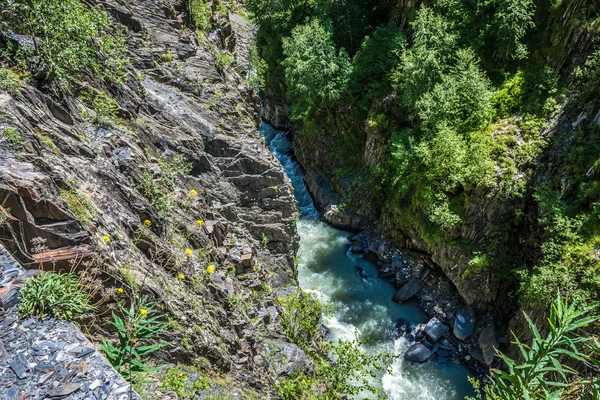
316 72
450 163
512 20
424 64
379 54
462 98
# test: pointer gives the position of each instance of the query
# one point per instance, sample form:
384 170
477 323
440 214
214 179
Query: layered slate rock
48 359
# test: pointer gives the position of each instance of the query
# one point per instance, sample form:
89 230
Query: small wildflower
181 276
200 222
188 252
193 192
147 223
106 239
120 290
143 311
210 269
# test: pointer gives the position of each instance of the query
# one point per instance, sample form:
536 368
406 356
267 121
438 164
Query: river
328 268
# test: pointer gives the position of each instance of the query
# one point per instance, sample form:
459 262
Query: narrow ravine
362 304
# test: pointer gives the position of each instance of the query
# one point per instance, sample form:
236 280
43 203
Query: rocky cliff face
76 187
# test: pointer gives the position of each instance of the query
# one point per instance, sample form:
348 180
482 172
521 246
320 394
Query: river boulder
435 329
417 353
464 323
408 290
488 344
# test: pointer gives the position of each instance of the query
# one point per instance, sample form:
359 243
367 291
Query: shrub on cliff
349 374
72 39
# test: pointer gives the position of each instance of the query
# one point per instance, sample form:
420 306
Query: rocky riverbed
454 332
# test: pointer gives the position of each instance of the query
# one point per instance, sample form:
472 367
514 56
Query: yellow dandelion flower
120 290
143 311
200 222
106 239
181 276
147 222
210 269
188 252
193 192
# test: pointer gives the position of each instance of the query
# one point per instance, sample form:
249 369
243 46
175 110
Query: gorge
361 302
299 199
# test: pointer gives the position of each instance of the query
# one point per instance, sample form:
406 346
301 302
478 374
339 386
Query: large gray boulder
464 323
408 290
417 353
287 357
435 329
488 344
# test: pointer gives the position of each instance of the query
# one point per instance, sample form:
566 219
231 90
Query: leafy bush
57 295
224 60
349 374
177 379
544 374
159 188
200 13
74 39
129 356
510 96
12 135
301 317
10 81
105 107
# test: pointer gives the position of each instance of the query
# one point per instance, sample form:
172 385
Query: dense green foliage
54 294
316 73
441 118
72 40
348 374
9 81
544 372
302 317
461 92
